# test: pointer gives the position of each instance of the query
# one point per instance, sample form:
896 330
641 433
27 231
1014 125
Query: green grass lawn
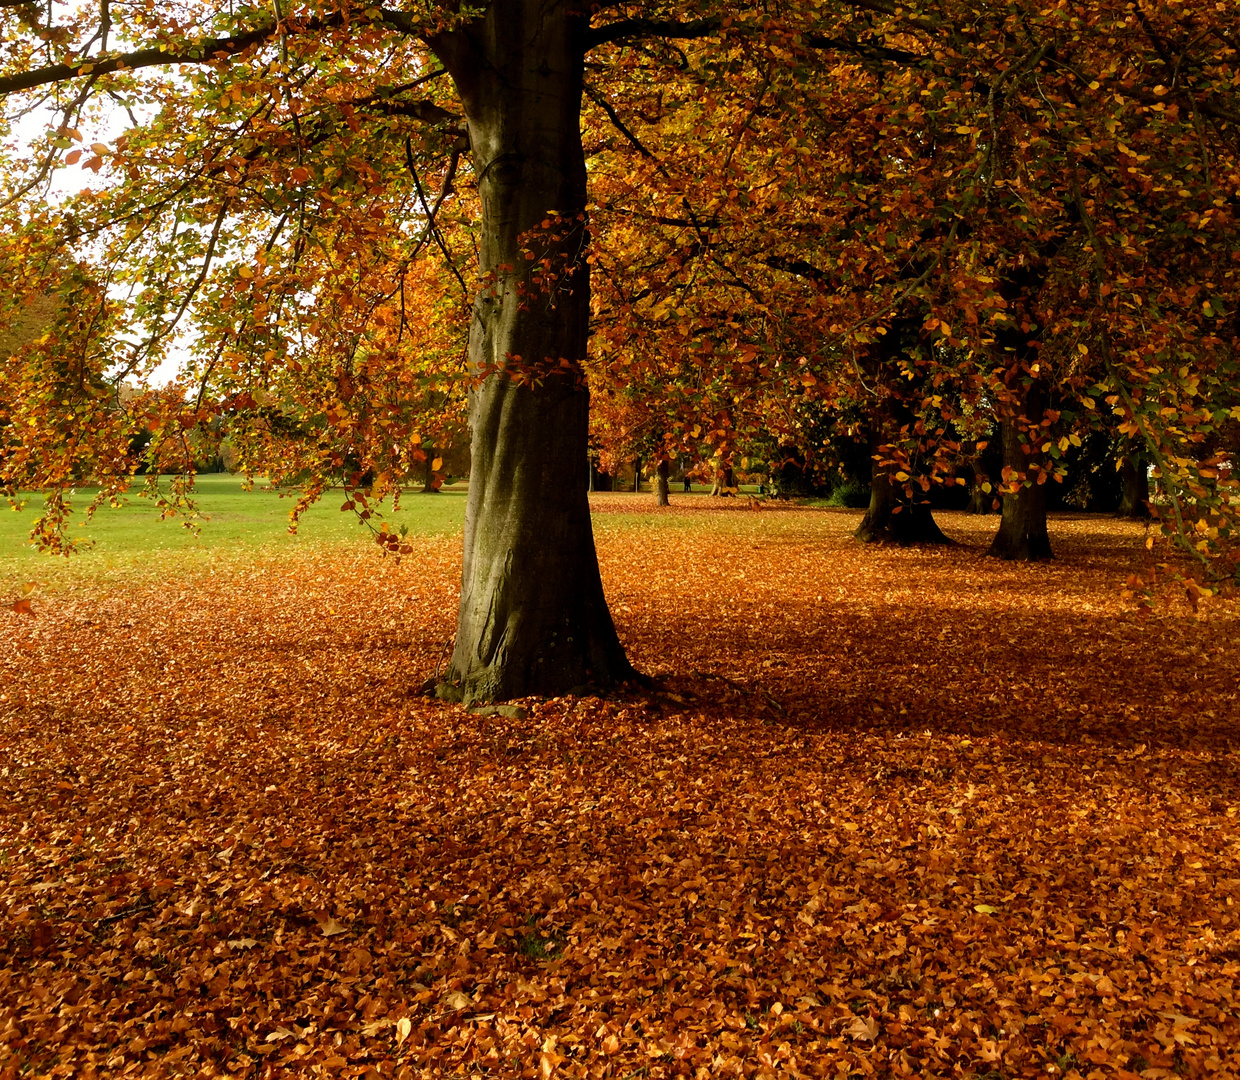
131 541
235 521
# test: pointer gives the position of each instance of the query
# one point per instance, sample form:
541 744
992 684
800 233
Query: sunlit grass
233 521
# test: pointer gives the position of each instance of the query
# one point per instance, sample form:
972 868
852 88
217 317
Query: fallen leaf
864 1028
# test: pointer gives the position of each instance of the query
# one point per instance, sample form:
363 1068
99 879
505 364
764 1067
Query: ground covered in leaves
892 813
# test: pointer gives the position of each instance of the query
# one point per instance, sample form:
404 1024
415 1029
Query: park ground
887 813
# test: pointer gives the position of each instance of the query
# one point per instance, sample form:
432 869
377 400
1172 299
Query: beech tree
533 618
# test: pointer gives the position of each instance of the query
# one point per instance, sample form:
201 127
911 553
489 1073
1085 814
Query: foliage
843 836
1043 193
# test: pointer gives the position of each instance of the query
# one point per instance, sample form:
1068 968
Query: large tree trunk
532 616
660 484
1022 529
886 519
1135 500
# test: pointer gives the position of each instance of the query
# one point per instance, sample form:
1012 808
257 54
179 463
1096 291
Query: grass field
234 522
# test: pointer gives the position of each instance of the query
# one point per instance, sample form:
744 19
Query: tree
533 618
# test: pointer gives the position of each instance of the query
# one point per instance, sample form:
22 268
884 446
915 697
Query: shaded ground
896 812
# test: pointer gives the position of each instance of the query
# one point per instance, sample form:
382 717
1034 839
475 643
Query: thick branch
199 52
627 29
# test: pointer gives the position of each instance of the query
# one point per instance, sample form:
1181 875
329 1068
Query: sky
106 127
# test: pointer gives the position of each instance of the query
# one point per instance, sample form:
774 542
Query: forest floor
892 813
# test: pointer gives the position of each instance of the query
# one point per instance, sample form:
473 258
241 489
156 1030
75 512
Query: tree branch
627 29
202 51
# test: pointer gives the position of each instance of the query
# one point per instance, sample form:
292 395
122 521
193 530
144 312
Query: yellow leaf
403 1026
437 464
984 909
244 272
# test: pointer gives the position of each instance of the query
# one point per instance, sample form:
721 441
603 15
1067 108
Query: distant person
688 486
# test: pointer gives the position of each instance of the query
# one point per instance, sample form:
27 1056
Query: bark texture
723 484
1022 525
428 474
980 502
532 617
1022 532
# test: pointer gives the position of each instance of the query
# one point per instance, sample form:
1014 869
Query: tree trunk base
912 525
1024 548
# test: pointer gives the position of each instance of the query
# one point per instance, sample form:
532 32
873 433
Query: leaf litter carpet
890 813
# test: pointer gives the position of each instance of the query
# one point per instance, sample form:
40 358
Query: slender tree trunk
637 475
1135 500
532 616
428 474
660 485
980 502
723 484
1022 532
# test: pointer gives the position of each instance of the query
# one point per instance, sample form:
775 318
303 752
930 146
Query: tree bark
1135 477
637 475
886 519
532 616
1022 532
660 485
428 475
